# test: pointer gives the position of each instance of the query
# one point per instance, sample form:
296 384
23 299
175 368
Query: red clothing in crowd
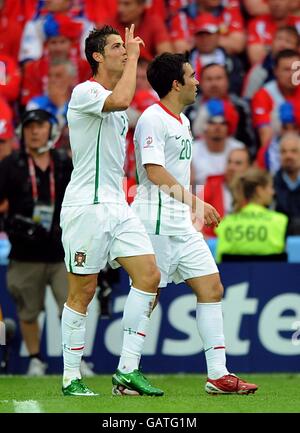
214 195
229 19
10 36
35 76
6 118
151 29
262 30
266 103
10 78
99 11
13 17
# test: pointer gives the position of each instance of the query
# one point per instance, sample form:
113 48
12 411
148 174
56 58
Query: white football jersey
164 139
98 147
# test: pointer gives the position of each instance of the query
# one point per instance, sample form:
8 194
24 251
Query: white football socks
73 339
210 326
136 318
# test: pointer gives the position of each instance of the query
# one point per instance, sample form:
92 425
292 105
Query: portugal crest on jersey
79 259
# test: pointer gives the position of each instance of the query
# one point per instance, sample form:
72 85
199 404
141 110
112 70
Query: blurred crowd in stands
246 55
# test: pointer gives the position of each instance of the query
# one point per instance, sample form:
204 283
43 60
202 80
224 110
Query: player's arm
158 175
122 95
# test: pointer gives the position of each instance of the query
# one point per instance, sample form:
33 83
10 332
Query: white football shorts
182 257
93 235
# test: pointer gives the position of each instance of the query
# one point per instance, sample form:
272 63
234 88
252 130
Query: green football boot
78 388
135 381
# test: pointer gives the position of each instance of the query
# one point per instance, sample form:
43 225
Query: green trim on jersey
158 214
70 262
137 177
97 175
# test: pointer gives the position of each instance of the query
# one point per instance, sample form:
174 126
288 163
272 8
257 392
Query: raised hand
132 44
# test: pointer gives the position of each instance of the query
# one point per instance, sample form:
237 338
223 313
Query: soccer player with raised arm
97 223
163 146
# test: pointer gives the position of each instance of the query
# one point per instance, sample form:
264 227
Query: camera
23 229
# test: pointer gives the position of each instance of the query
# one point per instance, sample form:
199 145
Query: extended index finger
131 31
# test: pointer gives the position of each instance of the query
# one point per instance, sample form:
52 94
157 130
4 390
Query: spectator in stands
100 11
233 38
10 79
217 189
33 38
285 38
267 101
59 87
210 153
182 19
261 30
287 181
294 7
253 229
59 45
6 130
268 157
256 7
149 27
207 50
33 181
13 16
214 83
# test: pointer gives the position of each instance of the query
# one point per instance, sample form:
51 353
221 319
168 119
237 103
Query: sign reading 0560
244 232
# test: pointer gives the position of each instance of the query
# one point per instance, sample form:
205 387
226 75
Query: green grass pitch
183 394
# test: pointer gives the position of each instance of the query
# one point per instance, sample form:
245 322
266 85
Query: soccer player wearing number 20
97 223
163 146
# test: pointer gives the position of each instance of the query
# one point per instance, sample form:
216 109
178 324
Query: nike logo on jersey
177 137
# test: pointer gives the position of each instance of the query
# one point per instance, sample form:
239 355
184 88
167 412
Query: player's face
189 89
115 55
36 134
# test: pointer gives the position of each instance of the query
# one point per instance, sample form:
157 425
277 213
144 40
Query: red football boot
229 384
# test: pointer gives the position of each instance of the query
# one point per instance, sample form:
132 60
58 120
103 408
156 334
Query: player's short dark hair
95 43
285 54
164 69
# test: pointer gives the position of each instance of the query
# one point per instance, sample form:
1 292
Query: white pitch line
26 406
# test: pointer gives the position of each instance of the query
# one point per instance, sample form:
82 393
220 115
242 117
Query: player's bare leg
81 291
209 317
145 278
